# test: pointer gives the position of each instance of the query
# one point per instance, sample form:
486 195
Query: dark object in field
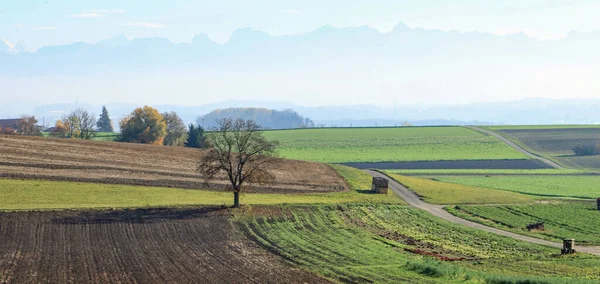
586 150
380 185
474 164
536 226
598 203
568 246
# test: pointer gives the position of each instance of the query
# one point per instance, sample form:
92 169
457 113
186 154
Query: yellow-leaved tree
143 125
60 130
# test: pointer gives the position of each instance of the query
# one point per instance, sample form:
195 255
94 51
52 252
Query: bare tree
71 125
238 149
79 123
27 125
85 123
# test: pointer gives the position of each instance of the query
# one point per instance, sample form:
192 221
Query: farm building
9 123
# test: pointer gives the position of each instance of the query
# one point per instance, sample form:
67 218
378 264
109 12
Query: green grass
105 136
436 192
578 220
369 244
33 194
340 145
542 185
489 172
98 136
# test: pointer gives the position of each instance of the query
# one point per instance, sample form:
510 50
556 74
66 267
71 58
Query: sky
37 23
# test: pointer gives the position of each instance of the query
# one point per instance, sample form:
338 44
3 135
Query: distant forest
267 118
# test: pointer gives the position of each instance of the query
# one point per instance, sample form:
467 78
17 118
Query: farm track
517 147
144 165
413 200
135 246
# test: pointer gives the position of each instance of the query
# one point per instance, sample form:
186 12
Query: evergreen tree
195 137
104 123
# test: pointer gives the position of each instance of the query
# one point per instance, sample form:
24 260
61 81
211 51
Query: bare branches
85 123
27 125
78 123
239 150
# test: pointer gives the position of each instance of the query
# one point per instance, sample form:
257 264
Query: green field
556 142
436 192
487 172
359 236
578 220
98 136
32 194
387 244
341 145
540 185
105 136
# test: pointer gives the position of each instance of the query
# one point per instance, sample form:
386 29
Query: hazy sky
36 23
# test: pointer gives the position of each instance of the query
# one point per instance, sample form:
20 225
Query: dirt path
516 147
413 200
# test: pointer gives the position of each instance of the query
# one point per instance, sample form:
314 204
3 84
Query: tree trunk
236 199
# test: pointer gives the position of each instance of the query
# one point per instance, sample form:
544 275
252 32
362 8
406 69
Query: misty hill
267 118
529 111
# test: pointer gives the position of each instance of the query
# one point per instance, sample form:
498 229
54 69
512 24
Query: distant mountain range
248 47
337 66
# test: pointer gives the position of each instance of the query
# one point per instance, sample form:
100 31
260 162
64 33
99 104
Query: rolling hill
137 164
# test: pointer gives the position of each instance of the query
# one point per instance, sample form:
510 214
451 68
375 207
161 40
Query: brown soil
135 246
147 165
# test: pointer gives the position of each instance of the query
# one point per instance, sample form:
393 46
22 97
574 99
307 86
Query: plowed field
557 143
147 165
135 246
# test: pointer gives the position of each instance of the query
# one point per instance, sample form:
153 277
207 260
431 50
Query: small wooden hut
380 185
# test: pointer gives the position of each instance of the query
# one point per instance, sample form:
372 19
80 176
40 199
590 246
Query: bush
7 131
60 130
27 125
586 150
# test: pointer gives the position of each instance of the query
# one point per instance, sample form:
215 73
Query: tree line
142 125
267 118
26 125
147 125
236 148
